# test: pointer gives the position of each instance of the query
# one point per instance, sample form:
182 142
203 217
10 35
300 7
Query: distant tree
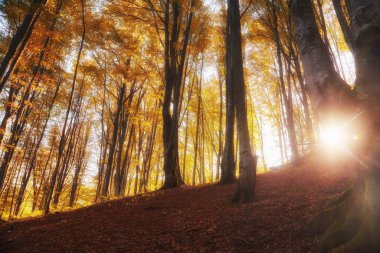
286 96
64 133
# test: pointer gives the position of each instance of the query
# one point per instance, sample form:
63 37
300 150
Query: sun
333 136
337 136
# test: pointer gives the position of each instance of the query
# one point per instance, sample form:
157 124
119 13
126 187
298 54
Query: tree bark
247 162
228 167
174 66
323 84
353 224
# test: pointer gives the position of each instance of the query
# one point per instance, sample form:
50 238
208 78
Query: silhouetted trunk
123 126
103 144
116 121
185 148
17 128
321 18
127 158
8 111
228 167
220 133
42 179
304 98
31 165
202 147
247 162
62 142
115 131
79 168
141 137
259 123
347 33
174 66
286 98
24 109
196 144
19 41
70 152
149 153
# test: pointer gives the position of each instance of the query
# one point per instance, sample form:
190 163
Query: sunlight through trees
106 99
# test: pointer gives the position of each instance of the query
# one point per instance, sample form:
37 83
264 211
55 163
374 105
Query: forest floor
192 219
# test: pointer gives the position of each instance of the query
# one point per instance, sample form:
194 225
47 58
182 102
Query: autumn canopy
100 100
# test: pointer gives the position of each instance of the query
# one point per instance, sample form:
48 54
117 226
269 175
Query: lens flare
333 136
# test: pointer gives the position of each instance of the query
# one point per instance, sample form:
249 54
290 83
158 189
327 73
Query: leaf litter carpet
192 219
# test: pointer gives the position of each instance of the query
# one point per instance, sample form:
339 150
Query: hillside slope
190 219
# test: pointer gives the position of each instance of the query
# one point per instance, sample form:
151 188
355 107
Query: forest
230 113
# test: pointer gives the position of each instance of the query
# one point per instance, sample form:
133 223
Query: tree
353 224
116 120
228 167
235 75
174 66
19 41
62 142
286 97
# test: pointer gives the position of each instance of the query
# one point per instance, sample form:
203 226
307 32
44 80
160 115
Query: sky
3 25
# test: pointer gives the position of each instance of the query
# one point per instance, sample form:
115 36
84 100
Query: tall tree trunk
174 67
247 162
149 153
196 144
127 158
202 147
228 167
353 225
220 133
115 132
323 83
185 148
